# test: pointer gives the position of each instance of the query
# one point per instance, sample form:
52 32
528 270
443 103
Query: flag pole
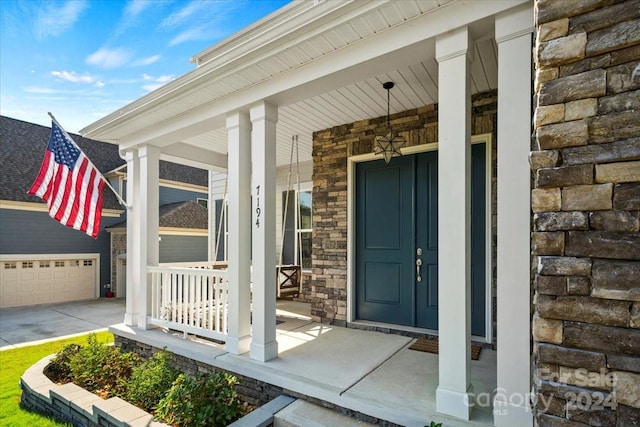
120 199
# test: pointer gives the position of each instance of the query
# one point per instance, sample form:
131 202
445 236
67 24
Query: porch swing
288 277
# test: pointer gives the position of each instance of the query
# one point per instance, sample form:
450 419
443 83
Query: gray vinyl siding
25 232
173 195
183 248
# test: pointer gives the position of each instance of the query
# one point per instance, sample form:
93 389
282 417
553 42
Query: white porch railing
190 299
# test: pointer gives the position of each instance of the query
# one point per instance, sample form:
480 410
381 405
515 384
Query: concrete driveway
21 325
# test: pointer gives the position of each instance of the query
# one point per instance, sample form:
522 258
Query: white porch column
454 223
239 243
148 234
133 225
513 35
263 149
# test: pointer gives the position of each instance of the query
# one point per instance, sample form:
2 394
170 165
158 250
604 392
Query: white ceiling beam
189 155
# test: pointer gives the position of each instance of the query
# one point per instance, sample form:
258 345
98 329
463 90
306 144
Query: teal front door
397 228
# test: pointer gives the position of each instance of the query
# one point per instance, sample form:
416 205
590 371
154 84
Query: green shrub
203 400
150 381
102 369
58 369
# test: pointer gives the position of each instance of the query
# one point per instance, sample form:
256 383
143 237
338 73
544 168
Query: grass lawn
13 363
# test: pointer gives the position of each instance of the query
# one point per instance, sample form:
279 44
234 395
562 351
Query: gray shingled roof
182 173
180 215
22 146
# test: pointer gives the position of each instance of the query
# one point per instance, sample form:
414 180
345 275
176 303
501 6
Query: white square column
239 242
148 201
133 224
264 117
513 35
453 395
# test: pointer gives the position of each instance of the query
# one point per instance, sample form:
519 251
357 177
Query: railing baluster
190 299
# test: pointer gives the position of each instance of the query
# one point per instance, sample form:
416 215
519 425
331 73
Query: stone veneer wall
585 238
327 288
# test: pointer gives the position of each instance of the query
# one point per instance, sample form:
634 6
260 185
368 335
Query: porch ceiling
327 31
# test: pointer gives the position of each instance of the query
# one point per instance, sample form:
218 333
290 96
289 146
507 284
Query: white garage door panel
45 281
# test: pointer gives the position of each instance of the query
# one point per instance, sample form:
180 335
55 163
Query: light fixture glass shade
389 145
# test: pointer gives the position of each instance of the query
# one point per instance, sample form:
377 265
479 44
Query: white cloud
155 82
136 7
73 77
145 61
108 58
152 87
164 79
53 21
193 8
201 20
130 15
99 84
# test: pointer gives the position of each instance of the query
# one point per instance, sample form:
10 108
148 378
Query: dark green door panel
478 238
426 239
384 222
397 214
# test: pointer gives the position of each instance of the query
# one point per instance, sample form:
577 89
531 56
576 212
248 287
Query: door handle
418 265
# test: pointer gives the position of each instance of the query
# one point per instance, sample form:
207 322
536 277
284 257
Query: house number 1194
258 206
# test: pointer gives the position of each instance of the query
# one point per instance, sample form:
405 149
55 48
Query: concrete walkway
368 372
22 326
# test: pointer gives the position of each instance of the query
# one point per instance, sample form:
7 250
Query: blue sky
83 59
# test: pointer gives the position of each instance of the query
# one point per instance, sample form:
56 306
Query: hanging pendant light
388 144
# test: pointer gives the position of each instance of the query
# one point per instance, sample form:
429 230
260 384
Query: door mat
430 345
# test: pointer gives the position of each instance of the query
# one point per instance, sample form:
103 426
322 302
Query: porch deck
369 372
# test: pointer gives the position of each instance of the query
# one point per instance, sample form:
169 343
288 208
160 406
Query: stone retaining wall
327 289
75 405
585 239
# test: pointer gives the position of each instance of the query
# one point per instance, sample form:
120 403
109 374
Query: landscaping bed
152 385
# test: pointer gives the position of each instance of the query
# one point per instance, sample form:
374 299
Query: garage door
45 281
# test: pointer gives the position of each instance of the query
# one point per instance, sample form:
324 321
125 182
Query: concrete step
305 414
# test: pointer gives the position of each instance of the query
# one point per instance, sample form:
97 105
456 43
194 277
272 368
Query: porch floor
369 372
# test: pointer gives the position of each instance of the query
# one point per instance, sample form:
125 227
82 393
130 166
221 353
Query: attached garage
45 279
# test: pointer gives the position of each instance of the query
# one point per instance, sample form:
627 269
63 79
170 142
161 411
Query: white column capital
237 119
149 151
128 155
264 111
514 23
453 44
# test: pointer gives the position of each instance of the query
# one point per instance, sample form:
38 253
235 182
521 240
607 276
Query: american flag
70 184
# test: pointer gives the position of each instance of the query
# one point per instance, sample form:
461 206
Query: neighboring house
42 261
449 238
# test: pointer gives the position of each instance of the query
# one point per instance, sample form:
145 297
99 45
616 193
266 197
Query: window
44 264
27 264
87 262
58 264
202 202
297 228
10 266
